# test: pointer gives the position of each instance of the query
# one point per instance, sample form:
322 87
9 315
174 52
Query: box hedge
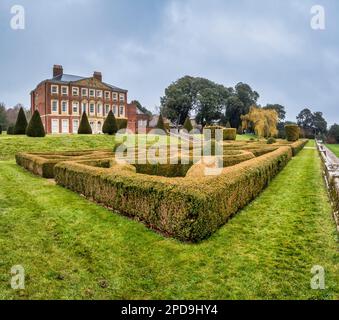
229 134
188 209
210 131
43 164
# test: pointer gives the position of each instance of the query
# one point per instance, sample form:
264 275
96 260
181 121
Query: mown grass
73 249
10 145
334 148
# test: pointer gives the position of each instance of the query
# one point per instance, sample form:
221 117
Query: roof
139 111
69 78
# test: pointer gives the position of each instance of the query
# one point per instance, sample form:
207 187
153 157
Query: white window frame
75 104
84 90
99 108
86 107
62 91
62 126
107 95
99 93
121 97
75 131
115 96
91 95
107 107
122 114
58 126
75 89
57 107
57 89
90 105
62 106
115 109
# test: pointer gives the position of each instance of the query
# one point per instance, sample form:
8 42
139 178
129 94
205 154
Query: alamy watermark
318 279
18 277
158 148
17 21
318 20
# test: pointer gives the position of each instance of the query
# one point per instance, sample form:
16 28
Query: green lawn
10 145
73 249
334 148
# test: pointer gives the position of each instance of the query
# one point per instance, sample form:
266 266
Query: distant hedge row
189 209
227 133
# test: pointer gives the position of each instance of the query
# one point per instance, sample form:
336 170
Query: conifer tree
85 127
110 125
21 123
161 124
35 127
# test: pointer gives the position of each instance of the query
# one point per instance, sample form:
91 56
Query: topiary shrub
35 127
292 132
229 134
21 123
213 130
122 124
188 125
110 125
10 130
85 127
271 140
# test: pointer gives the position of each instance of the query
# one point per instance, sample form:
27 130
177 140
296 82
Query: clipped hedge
122 124
43 164
213 130
188 209
230 134
292 132
298 146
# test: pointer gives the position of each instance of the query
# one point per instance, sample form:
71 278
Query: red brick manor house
62 100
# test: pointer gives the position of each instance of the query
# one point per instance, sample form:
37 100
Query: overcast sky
144 45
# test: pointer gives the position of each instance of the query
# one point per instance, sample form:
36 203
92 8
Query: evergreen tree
188 125
161 124
0 129
35 127
10 130
85 127
21 123
110 125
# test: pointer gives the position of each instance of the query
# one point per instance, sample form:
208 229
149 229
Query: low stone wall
331 171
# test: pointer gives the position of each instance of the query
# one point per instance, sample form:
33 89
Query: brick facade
62 100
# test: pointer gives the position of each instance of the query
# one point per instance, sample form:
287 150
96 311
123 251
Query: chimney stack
97 75
57 70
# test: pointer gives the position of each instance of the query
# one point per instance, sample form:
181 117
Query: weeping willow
263 121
